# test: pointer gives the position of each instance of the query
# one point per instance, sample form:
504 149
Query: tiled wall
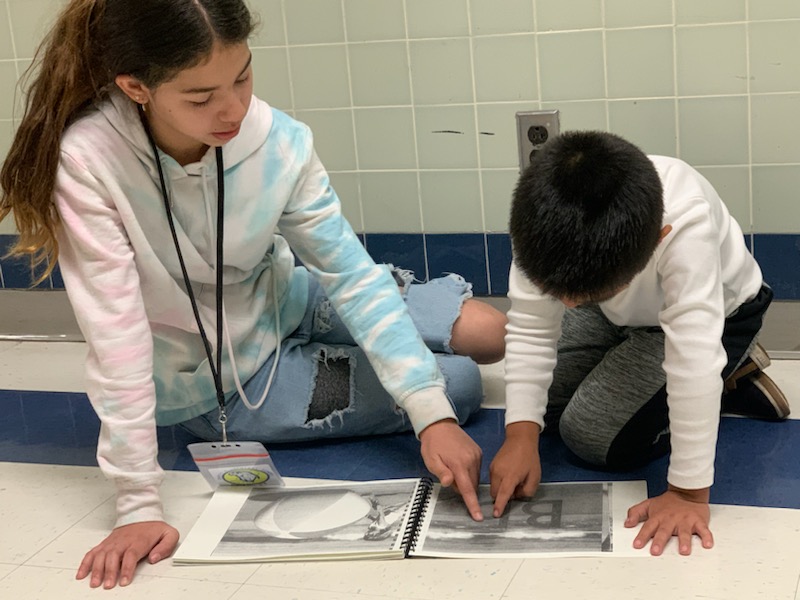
413 102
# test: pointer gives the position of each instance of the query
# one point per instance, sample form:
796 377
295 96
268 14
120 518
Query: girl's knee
479 332
463 381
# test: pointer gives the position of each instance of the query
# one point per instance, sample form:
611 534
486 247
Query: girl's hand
115 558
451 455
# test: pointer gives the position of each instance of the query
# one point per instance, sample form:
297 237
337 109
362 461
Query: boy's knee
578 438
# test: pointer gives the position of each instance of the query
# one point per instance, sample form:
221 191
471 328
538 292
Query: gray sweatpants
608 397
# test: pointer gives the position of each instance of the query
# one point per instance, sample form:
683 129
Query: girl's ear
133 88
665 231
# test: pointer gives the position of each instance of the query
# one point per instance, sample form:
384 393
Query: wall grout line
353 119
288 54
549 32
750 198
605 63
552 100
584 108
676 107
416 142
481 195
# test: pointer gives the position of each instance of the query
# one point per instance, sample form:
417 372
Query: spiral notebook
402 518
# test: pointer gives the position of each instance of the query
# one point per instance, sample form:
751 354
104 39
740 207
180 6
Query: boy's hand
115 558
675 512
516 471
451 455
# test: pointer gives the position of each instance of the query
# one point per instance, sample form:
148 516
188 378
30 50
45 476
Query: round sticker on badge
245 476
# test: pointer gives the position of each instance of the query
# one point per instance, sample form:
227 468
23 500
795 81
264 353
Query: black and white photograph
354 518
559 518
415 517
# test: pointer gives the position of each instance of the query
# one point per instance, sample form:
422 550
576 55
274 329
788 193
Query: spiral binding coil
417 512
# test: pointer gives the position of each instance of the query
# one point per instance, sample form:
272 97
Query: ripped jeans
325 387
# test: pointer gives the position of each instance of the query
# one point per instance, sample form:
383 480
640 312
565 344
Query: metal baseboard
46 315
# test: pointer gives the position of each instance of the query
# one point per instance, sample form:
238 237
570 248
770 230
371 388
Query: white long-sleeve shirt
146 363
700 273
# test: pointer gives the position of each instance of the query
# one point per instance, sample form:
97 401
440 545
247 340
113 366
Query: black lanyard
216 371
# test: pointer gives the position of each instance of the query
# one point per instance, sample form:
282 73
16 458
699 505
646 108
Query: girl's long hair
91 42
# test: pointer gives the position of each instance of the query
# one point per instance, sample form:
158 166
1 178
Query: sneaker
756 396
758 360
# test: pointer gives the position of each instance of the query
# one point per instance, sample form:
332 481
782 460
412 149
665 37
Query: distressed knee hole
332 391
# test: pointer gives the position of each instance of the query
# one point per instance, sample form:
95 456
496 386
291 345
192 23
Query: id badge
235 464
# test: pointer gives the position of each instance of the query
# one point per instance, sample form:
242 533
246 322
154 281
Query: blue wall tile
462 253
498 246
779 258
55 277
16 271
404 250
466 254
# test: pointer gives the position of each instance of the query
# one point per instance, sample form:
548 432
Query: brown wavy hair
75 66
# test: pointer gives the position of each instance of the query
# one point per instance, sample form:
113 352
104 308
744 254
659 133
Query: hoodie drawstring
222 325
239 388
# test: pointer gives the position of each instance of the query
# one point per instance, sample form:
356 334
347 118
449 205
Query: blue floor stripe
757 462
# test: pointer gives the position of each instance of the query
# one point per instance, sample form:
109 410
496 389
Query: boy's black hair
586 215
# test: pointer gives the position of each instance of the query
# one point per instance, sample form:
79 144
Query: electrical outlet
534 128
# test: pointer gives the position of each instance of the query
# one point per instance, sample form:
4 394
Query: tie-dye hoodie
146 362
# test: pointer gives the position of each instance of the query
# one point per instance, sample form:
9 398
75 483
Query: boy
633 297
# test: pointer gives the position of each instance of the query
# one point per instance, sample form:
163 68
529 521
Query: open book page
562 519
373 519
344 520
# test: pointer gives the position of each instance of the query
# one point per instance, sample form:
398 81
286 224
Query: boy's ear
133 88
665 231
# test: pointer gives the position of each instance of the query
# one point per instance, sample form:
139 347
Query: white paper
334 521
368 520
562 520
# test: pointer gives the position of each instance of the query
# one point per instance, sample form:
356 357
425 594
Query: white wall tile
470 57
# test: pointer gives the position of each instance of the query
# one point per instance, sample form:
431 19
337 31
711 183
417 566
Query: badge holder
235 464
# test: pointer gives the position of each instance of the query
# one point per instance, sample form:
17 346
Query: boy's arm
532 332
692 319
534 326
516 471
678 512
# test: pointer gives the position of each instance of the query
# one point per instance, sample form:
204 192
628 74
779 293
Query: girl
140 134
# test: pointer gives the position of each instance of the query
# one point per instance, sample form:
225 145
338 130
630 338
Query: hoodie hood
123 116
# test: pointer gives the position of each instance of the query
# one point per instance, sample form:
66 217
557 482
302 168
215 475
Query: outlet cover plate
534 129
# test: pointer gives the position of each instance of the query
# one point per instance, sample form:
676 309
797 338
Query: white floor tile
786 373
494 391
417 578
184 494
255 592
40 583
6 569
40 502
754 558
